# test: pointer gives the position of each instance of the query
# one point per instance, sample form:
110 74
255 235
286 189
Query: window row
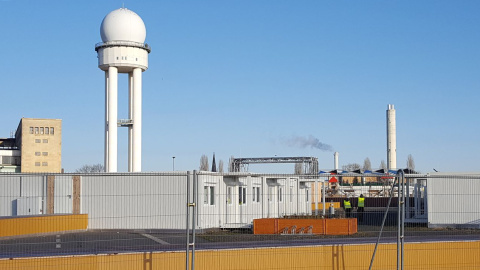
39 141
41 153
42 130
9 160
242 195
125 58
209 195
43 163
256 195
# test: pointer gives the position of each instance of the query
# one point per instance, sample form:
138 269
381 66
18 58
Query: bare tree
383 165
351 167
298 168
204 163
410 162
95 168
220 166
367 165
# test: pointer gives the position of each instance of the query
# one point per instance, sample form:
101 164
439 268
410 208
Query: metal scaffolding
309 164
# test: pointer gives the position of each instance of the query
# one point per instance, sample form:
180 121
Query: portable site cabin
248 197
445 200
155 200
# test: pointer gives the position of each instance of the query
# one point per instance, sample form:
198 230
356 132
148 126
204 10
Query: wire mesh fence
205 220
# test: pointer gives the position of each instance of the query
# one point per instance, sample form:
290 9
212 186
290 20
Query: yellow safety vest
347 204
361 202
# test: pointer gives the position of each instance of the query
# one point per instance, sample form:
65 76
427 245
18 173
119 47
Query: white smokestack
391 138
335 161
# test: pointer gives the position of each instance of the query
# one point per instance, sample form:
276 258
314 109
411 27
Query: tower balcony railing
122 43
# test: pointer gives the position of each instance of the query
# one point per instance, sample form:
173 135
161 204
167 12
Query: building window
41 130
38 141
280 191
44 163
242 195
291 194
306 194
205 195
212 195
47 130
209 195
51 130
229 195
37 153
45 140
36 130
31 130
44 153
256 194
37 163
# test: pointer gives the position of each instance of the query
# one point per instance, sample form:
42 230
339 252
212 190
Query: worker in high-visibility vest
360 208
347 205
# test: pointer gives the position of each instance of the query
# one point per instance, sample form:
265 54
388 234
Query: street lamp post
173 158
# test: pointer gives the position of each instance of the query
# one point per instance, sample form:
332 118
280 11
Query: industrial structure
309 164
36 147
391 138
123 50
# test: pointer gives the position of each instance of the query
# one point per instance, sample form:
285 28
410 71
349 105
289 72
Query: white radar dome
123 25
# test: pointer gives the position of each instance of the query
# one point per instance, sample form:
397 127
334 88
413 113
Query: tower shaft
391 138
111 84
135 136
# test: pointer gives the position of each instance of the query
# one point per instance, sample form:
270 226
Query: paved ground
108 242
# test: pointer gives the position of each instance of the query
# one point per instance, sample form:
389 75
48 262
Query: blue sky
243 78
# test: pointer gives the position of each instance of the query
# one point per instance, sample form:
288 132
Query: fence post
399 217
187 248
402 233
195 193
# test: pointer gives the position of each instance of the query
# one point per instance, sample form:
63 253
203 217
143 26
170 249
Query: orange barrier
24 225
328 226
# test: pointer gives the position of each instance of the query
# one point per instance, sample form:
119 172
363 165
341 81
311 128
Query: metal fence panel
142 217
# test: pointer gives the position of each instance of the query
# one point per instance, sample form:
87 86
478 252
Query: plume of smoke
310 141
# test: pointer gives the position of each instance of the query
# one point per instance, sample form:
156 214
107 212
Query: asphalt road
111 242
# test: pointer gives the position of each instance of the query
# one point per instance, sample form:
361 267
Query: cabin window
212 195
229 195
256 194
242 195
205 195
209 195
